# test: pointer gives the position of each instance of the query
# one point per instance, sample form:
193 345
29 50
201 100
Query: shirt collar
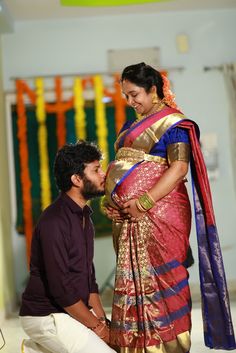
74 207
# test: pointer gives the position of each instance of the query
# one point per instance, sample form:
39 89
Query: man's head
78 166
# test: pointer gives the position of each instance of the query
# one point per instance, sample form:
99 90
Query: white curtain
230 81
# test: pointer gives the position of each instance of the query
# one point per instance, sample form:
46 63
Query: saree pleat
151 303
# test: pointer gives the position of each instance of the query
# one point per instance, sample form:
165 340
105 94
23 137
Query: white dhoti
60 333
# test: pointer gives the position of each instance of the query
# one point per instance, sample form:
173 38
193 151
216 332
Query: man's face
93 181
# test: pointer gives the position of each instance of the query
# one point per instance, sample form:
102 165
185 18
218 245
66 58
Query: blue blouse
174 135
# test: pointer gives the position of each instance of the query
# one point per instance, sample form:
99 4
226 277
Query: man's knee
29 346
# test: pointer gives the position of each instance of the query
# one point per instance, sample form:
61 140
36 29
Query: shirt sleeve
54 242
94 286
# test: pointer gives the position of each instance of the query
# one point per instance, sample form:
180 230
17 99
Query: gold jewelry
139 206
159 106
154 99
151 197
146 201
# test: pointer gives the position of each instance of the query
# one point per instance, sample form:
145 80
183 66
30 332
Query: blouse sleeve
178 147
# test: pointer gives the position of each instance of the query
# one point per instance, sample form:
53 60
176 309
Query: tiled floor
13 333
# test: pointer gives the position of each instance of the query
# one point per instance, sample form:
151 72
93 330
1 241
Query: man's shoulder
55 212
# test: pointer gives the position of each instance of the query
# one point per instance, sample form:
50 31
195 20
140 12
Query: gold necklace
160 106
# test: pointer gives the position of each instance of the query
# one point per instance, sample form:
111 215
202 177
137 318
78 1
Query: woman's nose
130 101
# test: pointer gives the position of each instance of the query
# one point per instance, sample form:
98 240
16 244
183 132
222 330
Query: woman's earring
154 99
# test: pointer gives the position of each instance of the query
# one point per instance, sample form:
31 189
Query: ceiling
21 10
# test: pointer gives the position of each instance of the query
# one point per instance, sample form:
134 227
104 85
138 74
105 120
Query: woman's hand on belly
131 211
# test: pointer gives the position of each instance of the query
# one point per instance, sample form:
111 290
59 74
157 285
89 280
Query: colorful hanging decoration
61 119
24 166
80 121
100 116
119 103
42 142
60 107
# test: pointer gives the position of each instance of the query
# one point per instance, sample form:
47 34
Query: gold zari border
179 151
181 344
154 132
133 156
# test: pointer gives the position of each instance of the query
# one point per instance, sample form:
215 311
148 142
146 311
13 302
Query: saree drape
152 306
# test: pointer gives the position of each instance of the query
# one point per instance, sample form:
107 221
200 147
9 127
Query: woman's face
137 97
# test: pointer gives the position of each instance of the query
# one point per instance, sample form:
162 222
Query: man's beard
90 190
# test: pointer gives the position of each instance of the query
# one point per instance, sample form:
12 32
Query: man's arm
56 262
94 298
95 303
80 312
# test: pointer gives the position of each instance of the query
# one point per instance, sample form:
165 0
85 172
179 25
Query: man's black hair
72 159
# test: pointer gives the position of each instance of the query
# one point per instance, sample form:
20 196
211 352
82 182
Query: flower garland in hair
42 141
80 121
100 116
24 166
169 97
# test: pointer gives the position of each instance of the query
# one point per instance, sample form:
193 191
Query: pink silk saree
151 306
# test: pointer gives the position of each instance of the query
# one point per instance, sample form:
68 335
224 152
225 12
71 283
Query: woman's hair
72 159
144 76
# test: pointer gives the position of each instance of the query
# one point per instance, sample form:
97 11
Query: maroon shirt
61 266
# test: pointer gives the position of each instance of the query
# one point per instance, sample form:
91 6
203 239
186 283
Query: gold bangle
151 197
139 206
146 201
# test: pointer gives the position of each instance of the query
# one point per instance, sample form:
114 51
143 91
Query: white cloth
60 333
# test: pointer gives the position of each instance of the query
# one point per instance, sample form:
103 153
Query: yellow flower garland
100 116
80 121
42 141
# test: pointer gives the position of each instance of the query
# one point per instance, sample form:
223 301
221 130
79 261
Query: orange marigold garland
61 119
119 103
24 166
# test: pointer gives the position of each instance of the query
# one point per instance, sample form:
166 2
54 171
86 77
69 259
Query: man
61 310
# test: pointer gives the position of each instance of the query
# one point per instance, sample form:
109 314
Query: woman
147 199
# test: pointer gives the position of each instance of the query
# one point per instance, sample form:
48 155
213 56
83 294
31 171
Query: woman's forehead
128 87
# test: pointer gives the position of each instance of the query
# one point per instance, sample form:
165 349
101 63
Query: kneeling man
61 310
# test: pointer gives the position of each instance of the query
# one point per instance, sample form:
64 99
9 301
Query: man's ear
76 180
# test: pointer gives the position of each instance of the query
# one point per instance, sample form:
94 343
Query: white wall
80 46
7 288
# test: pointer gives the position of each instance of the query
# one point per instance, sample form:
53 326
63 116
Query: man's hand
102 331
114 214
